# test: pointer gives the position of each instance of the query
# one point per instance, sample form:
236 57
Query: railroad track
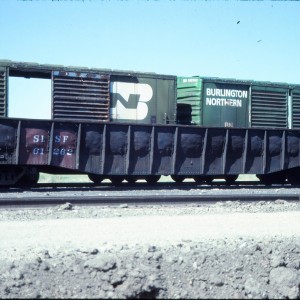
143 185
164 194
168 186
159 184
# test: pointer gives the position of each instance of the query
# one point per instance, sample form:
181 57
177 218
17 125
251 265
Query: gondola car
125 125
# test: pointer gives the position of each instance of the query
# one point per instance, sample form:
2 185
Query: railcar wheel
230 179
152 179
177 178
97 179
279 178
209 179
265 179
199 179
116 180
30 178
273 178
293 176
131 180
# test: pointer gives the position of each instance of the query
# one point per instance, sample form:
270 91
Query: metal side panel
80 96
274 148
139 156
214 151
296 109
292 156
8 142
269 107
63 145
116 147
34 142
143 99
91 147
225 104
3 92
189 151
254 156
236 147
163 149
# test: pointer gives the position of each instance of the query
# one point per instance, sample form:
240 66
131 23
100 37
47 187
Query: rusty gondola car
124 125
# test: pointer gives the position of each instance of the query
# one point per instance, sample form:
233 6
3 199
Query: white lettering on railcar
225 97
61 151
223 102
228 124
190 80
39 138
38 151
61 138
226 93
122 109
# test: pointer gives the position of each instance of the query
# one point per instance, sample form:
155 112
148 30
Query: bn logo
130 100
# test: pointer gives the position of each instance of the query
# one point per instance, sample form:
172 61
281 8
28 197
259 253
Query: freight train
126 125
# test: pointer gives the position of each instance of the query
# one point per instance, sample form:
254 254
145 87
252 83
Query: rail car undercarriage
134 151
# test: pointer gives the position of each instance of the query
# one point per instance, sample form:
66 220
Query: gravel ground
222 250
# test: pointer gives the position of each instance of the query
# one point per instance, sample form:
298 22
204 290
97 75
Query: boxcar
99 95
237 103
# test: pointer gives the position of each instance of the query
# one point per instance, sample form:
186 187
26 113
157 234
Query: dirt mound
243 268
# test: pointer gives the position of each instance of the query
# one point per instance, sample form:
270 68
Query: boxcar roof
247 82
35 70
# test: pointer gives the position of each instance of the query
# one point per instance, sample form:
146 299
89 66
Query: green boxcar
212 102
216 102
143 98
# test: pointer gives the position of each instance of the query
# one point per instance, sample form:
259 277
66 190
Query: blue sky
256 40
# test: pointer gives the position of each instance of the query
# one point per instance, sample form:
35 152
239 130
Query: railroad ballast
123 125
